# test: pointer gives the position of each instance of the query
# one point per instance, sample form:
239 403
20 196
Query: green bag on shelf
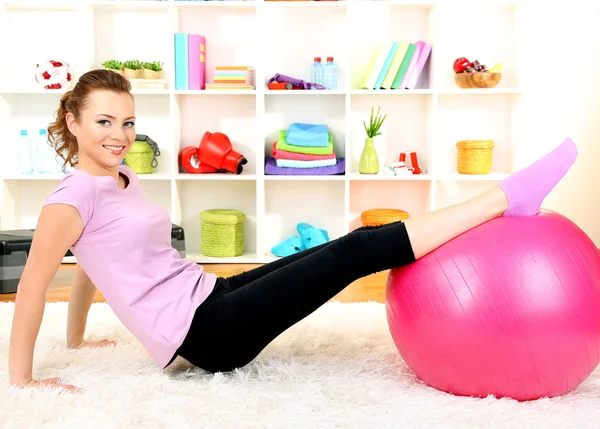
142 155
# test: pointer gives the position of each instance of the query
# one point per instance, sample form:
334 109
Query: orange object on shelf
375 217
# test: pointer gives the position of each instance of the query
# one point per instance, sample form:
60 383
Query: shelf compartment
234 117
153 119
115 38
43 5
23 201
409 123
230 37
499 19
460 117
288 203
412 197
281 112
35 35
28 112
294 56
193 197
381 23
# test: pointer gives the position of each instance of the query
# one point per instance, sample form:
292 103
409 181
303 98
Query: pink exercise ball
510 309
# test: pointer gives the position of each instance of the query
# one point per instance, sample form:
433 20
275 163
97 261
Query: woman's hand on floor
53 383
101 343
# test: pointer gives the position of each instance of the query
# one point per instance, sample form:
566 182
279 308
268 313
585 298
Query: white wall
561 98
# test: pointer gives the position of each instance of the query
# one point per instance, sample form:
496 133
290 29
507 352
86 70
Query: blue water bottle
316 72
25 153
331 78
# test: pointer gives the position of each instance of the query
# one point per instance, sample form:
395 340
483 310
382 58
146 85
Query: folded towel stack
304 149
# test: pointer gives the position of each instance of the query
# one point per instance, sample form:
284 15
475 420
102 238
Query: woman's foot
526 189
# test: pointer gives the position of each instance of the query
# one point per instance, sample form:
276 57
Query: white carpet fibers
336 369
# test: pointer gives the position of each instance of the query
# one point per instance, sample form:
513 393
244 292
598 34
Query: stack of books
232 77
397 65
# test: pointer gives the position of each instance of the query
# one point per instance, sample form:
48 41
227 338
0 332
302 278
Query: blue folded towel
311 135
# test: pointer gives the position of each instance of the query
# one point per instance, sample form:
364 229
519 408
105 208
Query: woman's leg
230 330
249 276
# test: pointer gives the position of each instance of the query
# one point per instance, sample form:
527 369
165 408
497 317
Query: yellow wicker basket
375 217
474 156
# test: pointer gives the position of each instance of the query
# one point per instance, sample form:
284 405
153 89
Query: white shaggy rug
336 369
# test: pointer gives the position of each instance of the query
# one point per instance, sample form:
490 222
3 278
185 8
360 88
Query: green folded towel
282 145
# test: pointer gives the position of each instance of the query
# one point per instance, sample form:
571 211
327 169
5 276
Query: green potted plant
132 68
369 161
151 70
114 65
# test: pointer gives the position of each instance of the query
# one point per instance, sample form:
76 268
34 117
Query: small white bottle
24 151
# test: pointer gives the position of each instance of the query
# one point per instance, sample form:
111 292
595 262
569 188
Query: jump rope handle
295 82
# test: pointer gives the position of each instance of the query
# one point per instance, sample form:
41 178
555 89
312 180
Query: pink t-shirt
125 249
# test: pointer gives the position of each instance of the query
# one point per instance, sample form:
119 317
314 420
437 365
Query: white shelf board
210 92
43 5
383 177
318 5
304 93
214 4
292 178
245 258
41 91
472 177
478 91
392 92
142 5
215 176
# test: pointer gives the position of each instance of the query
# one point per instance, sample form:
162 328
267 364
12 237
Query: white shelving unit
272 37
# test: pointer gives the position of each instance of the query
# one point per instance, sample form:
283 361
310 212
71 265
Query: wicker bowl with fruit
469 74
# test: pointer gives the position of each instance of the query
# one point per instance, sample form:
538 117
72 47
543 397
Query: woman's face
105 130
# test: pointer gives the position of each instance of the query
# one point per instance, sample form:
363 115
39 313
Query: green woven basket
222 232
142 155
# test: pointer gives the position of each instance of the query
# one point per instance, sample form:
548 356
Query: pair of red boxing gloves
214 154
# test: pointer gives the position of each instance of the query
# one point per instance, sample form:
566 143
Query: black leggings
245 312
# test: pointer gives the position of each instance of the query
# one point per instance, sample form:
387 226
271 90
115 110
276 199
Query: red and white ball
53 74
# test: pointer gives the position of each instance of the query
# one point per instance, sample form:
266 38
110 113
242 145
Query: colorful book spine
413 62
423 57
404 66
197 61
386 65
376 65
395 66
181 61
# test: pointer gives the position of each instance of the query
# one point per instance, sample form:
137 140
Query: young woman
123 247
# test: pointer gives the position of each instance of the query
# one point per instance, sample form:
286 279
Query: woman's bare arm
59 226
80 300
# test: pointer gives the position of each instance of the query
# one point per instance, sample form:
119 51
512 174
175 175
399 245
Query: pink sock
526 189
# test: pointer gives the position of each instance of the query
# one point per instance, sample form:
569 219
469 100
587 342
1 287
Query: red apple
460 64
